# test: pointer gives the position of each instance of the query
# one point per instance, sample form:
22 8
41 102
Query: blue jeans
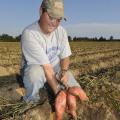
34 79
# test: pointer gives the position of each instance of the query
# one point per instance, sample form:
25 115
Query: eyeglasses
54 19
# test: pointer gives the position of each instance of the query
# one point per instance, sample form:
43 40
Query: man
45 52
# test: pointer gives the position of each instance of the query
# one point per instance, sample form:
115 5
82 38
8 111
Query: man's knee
71 80
34 73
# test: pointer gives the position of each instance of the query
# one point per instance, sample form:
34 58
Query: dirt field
96 66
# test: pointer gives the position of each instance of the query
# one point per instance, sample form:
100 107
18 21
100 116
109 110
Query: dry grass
96 66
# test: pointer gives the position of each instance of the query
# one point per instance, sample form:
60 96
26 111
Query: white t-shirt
37 48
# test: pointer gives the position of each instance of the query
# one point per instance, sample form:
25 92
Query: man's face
47 23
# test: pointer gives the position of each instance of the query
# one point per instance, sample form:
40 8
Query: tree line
75 39
8 38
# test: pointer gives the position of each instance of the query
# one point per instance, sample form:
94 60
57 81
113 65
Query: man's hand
78 92
64 67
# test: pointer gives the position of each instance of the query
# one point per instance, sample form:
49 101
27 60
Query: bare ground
102 87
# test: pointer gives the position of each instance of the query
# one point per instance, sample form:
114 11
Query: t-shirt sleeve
32 50
65 50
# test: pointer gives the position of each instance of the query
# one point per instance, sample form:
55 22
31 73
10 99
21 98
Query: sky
85 18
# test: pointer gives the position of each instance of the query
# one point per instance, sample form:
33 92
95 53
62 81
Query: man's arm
65 63
50 76
64 68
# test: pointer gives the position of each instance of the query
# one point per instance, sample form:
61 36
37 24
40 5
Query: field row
86 56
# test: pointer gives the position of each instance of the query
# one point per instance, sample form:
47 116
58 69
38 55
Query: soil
102 88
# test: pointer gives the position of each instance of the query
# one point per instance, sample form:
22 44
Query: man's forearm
65 63
64 68
50 76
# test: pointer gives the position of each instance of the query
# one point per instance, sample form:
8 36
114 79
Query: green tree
69 38
111 37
